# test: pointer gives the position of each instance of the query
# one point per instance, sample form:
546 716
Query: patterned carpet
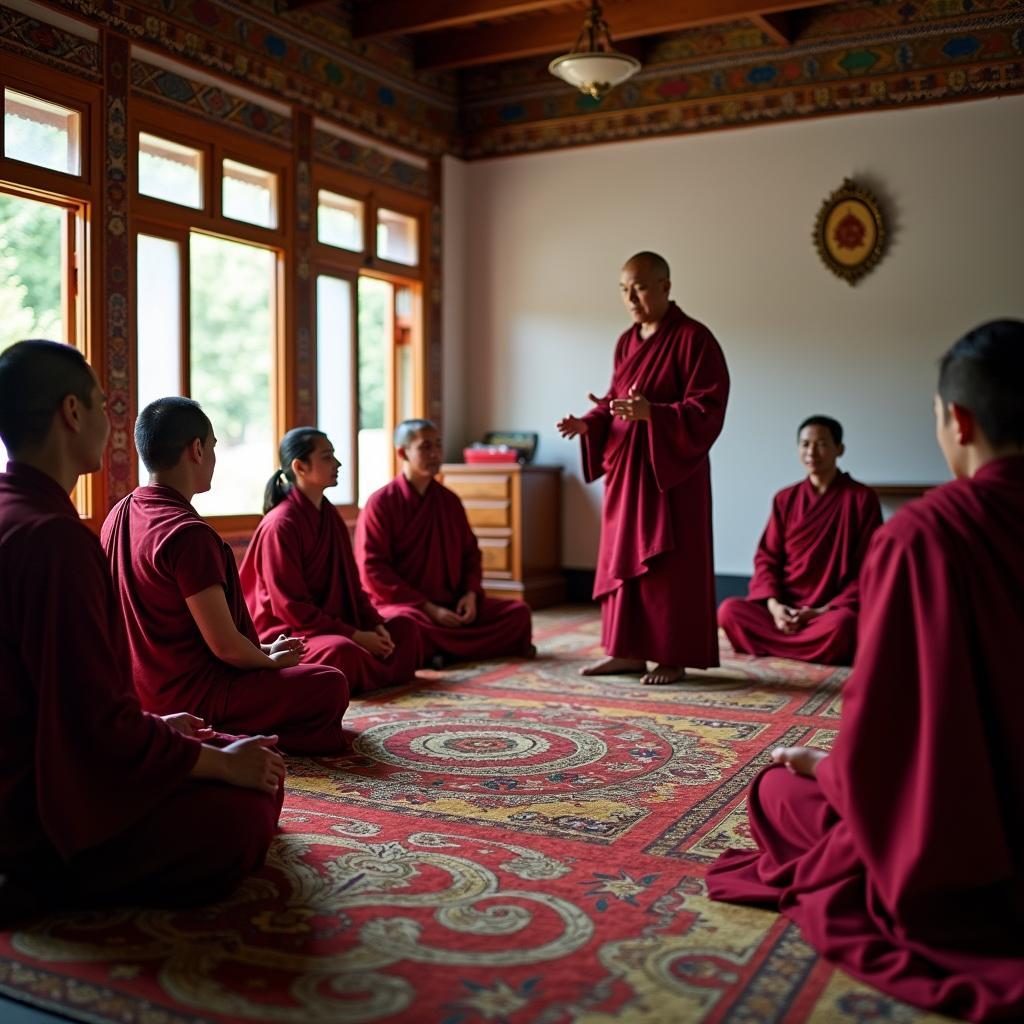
509 843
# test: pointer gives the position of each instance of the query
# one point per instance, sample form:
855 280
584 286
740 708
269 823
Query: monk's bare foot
614 667
662 675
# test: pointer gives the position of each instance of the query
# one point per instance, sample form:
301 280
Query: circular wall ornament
850 232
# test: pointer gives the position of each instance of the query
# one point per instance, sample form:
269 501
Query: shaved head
35 377
655 265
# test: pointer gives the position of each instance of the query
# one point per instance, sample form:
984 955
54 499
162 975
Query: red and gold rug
508 843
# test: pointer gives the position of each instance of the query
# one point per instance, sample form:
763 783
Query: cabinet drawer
492 487
488 513
495 553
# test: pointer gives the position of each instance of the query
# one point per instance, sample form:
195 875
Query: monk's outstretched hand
190 725
252 764
800 760
571 426
442 616
633 407
466 608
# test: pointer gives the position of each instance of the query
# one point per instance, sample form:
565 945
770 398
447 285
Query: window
210 289
397 237
39 132
339 221
158 289
335 373
170 171
249 194
369 327
233 333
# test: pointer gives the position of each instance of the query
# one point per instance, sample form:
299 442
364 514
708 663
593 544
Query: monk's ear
69 412
840 450
195 450
965 425
402 457
298 468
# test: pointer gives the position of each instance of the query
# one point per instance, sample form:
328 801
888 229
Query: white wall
532 308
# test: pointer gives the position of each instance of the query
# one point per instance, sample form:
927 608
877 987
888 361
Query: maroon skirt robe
809 556
415 548
96 803
161 552
299 577
903 860
655 568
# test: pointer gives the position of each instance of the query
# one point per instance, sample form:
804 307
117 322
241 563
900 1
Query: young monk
299 575
901 853
419 557
802 601
192 640
99 801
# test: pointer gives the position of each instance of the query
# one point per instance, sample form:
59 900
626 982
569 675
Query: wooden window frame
152 216
334 261
79 192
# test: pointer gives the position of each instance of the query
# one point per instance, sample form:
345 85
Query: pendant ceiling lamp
594 66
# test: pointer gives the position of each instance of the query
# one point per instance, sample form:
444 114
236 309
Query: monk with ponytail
299 575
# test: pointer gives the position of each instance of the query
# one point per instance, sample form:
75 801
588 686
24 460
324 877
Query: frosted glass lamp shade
595 73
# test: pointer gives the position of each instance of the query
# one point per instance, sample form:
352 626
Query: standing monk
419 557
901 853
803 599
299 575
99 801
649 436
192 639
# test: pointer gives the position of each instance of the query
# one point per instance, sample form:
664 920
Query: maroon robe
655 569
903 860
96 802
415 548
299 577
161 552
809 556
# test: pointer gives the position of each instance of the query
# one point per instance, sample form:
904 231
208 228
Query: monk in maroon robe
901 853
192 639
803 598
419 557
99 801
649 437
299 575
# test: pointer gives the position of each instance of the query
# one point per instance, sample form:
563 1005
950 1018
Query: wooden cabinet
516 514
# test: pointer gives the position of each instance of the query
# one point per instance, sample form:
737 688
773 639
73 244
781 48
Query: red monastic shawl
814 544
161 552
916 884
299 574
680 369
414 548
79 760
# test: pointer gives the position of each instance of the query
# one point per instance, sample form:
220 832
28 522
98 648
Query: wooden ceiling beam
407 17
777 27
627 19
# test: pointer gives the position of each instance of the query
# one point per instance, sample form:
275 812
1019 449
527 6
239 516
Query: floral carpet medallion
506 844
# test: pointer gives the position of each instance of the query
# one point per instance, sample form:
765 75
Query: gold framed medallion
850 232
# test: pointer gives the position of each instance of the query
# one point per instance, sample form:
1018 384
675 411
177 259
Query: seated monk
802 601
900 854
99 801
192 640
299 575
419 557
